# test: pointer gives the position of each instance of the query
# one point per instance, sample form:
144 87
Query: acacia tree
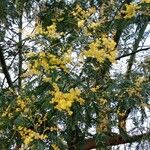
59 81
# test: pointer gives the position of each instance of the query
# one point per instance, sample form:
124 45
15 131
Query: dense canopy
74 74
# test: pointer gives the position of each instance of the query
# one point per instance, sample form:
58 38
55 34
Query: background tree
59 82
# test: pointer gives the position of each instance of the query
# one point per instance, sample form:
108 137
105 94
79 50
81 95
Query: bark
116 140
20 52
5 68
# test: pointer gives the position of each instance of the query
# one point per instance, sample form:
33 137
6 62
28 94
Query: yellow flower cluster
47 61
146 9
81 23
102 125
40 120
64 101
145 1
102 11
54 129
29 135
120 113
101 49
55 147
94 89
82 15
139 81
103 101
51 31
7 112
131 10
51 129
94 25
47 79
136 90
21 104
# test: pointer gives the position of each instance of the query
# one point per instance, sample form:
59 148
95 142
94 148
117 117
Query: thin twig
143 49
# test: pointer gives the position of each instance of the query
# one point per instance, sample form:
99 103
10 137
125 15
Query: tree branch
20 52
116 140
122 119
4 68
143 49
